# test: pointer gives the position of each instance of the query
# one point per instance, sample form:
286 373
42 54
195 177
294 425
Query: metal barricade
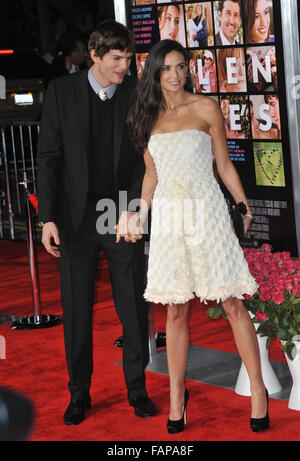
17 156
17 183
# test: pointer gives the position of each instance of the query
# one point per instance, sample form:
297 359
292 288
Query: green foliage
282 321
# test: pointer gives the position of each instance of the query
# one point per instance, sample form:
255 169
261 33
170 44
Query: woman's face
260 28
170 24
173 72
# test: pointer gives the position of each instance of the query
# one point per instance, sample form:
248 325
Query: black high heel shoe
175 426
261 424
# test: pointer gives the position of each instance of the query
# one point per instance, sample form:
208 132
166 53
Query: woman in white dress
176 131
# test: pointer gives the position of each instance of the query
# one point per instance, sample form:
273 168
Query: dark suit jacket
63 147
218 40
202 33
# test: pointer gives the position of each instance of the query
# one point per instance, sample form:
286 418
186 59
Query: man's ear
94 56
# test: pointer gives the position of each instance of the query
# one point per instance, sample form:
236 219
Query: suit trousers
78 266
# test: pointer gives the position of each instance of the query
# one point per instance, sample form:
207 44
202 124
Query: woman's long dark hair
149 101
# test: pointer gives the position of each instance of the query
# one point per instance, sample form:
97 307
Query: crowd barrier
17 157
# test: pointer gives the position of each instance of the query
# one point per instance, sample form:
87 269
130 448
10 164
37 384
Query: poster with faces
234 55
258 18
265 116
228 23
199 25
171 23
262 68
236 116
232 70
203 73
230 44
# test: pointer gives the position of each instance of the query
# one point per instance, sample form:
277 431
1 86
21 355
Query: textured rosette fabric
193 250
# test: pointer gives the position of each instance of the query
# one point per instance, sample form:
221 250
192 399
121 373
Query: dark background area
43 24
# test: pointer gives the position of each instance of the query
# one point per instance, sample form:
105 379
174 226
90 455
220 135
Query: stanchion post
37 320
32 256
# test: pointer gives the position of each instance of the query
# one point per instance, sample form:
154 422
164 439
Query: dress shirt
110 90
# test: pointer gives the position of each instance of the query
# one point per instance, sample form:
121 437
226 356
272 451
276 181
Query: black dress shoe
261 424
143 407
75 413
177 425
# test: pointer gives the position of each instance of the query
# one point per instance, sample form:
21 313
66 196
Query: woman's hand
129 227
247 220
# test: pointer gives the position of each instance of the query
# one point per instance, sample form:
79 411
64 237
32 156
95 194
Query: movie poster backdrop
235 56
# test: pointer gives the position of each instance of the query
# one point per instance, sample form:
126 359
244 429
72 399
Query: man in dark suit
85 163
229 15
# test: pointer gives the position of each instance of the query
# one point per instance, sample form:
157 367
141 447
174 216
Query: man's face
230 19
207 62
198 10
112 67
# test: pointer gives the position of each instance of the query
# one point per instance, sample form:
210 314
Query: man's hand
129 227
50 231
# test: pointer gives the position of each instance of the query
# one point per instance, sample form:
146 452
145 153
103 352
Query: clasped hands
129 227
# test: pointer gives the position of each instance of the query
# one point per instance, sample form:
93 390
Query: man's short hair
111 35
221 4
267 97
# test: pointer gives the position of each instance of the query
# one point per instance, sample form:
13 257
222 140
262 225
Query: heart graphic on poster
270 163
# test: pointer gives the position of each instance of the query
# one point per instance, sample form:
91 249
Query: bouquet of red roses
276 304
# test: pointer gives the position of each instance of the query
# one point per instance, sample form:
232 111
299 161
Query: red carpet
35 367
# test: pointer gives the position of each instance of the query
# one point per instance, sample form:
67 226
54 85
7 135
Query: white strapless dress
193 249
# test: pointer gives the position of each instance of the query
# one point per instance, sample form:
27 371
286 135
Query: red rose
261 316
296 291
296 279
296 285
247 297
278 296
290 266
265 294
266 248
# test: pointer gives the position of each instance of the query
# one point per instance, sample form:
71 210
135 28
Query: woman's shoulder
201 102
205 109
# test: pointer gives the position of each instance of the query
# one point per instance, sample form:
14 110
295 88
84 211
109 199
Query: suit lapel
83 107
120 113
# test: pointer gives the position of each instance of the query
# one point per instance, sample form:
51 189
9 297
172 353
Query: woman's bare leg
247 345
177 343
